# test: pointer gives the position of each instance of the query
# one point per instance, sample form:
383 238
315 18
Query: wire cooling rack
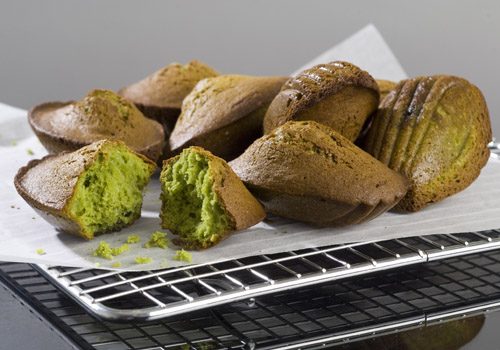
308 318
162 293
156 294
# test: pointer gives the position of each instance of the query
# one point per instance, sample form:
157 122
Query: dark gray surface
59 49
23 329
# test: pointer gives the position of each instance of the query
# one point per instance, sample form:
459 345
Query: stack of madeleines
330 146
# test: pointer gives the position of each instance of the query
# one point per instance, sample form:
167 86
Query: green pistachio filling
108 195
190 206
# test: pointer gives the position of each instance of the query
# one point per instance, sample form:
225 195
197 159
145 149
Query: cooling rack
152 295
309 318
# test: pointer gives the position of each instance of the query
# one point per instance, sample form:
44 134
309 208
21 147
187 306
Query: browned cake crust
435 131
168 86
240 205
159 96
68 126
308 172
224 114
337 94
48 184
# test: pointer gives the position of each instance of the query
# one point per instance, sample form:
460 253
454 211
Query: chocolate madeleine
68 126
308 172
224 114
159 96
203 200
435 131
336 94
93 190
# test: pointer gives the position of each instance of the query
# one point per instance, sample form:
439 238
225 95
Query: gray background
58 50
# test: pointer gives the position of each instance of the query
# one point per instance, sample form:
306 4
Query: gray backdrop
57 50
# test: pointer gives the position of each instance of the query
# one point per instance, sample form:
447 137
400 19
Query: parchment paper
22 231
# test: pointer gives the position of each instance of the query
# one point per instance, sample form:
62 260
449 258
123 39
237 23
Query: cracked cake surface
309 172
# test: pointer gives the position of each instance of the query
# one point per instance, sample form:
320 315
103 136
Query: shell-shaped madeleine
308 172
337 94
101 114
435 131
168 86
224 114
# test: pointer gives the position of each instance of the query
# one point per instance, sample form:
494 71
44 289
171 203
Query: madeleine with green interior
203 200
93 190
435 131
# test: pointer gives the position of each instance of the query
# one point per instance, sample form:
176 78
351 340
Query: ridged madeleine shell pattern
435 131
337 94
308 172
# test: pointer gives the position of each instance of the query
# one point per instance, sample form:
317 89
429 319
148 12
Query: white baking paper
23 232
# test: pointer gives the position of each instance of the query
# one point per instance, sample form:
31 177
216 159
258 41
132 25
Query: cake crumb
13 143
119 250
103 250
182 255
30 152
97 264
116 264
157 239
143 260
40 251
133 239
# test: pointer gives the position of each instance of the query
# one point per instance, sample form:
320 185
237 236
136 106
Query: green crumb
157 239
143 260
133 239
119 250
30 152
13 143
182 255
104 251
40 251
97 264
116 264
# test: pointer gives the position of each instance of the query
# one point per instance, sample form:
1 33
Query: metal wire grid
307 317
155 294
